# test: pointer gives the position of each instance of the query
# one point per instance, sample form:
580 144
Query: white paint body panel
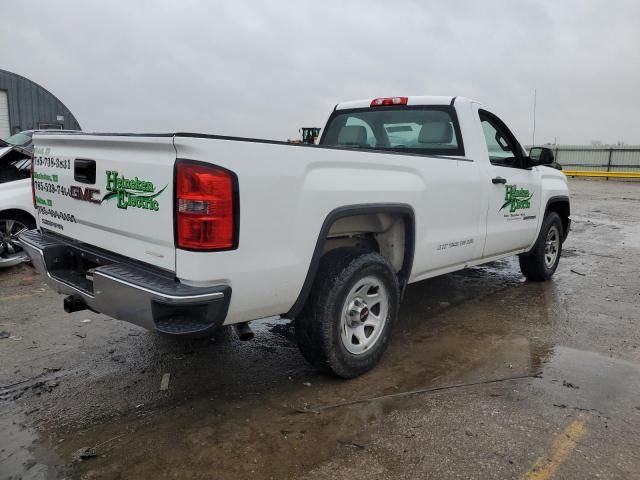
286 193
141 234
16 195
5 150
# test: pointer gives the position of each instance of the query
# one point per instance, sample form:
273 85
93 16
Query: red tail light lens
206 207
385 102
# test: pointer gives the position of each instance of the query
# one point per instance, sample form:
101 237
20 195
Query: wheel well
388 229
562 208
15 212
380 232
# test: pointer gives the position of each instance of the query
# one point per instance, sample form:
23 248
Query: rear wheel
346 324
11 224
541 262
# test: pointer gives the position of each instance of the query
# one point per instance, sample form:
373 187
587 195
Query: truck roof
411 100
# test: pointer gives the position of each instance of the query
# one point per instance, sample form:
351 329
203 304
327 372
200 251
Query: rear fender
351 210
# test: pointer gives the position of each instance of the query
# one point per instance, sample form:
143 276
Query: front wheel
541 262
347 321
11 225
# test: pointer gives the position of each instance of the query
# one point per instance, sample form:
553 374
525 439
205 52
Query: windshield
429 130
15 168
19 139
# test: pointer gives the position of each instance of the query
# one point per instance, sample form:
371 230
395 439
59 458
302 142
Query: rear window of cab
427 130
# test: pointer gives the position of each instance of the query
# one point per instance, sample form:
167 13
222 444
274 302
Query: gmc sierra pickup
183 233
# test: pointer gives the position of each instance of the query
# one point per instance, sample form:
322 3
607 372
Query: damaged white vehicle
16 202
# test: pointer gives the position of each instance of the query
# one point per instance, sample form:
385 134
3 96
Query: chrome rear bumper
106 283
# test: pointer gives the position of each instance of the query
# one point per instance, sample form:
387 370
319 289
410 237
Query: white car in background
16 201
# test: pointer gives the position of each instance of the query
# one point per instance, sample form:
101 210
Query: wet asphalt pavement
487 376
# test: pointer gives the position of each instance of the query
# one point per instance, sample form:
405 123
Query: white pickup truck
182 233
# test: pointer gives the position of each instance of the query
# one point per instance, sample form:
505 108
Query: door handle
498 180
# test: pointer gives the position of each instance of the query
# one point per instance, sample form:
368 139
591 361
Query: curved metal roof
31 104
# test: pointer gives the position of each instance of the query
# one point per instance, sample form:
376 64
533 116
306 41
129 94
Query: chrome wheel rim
9 231
364 315
551 247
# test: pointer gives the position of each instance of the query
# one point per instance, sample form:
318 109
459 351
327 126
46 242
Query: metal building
25 105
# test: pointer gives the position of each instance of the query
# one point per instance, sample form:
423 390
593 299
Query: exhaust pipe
244 331
74 303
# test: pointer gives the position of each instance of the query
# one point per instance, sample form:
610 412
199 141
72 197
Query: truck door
514 198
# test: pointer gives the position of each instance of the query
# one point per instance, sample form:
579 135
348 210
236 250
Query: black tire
24 219
533 264
318 327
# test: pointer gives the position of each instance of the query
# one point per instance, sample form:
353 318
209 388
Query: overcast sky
263 69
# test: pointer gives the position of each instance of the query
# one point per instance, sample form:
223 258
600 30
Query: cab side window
503 148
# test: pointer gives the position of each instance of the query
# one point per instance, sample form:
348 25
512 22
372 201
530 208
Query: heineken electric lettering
516 198
131 192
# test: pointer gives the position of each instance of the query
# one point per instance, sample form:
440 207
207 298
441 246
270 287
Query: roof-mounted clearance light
385 102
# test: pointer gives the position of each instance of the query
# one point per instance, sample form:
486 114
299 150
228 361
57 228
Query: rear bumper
142 295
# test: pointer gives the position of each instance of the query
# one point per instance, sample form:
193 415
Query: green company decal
516 198
132 193
44 202
44 177
42 151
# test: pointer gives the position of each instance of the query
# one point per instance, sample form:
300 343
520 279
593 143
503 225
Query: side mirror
541 156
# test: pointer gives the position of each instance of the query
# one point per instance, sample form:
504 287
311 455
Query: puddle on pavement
18 451
593 382
606 230
263 430
268 434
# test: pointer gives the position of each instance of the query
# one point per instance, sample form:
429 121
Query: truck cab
489 197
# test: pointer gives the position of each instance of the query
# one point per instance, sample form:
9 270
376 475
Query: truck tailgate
110 191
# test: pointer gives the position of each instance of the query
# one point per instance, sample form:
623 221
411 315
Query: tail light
207 207
33 182
385 102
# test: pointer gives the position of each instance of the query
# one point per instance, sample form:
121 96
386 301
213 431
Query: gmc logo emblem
84 194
